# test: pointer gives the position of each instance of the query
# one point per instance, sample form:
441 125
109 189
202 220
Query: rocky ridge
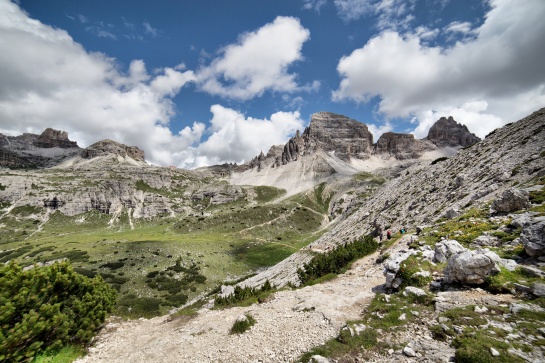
423 193
106 147
350 149
448 132
36 151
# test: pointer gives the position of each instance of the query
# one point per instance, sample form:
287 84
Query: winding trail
290 324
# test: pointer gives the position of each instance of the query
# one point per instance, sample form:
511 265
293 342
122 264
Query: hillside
167 238
405 302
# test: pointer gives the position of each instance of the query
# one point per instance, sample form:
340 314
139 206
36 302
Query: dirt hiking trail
288 325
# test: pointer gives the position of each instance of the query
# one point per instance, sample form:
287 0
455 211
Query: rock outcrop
31 151
447 132
54 138
402 146
330 132
106 147
511 200
533 237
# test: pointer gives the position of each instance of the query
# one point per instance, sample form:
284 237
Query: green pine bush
337 260
46 308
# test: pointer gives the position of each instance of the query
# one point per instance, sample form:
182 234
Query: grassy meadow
162 263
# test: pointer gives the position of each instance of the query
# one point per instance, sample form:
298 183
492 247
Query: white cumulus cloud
237 138
258 62
49 80
500 69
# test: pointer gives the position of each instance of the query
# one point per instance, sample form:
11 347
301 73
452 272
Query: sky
203 82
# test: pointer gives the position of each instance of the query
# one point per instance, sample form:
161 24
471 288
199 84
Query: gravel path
290 324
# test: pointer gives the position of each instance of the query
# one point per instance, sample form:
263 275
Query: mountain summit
447 132
334 145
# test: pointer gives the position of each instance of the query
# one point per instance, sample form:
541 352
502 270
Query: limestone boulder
471 267
533 236
511 200
447 248
392 266
485 240
452 213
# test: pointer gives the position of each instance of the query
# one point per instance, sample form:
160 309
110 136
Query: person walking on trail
389 234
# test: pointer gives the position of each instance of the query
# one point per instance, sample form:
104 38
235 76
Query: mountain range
473 210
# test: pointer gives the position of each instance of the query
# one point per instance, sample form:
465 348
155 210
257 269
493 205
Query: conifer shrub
244 293
337 260
46 308
241 325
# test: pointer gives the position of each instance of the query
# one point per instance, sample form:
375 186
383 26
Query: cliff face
36 151
54 138
402 146
331 132
447 132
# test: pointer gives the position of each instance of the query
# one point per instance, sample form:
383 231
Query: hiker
389 234
380 236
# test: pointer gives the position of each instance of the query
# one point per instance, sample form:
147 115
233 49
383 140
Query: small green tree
45 308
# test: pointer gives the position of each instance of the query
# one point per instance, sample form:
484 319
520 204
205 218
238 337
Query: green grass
472 224
266 194
369 178
537 196
344 345
67 354
503 281
26 210
233 240
474 347
409 268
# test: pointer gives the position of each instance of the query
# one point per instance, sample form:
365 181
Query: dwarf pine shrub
337 260
46 308
241 325
244 293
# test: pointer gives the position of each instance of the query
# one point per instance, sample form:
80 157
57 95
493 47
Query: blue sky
203 82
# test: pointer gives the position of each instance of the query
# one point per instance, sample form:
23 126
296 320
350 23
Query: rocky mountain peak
402 146
36 151
448 132
54 138
106 147
332 133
